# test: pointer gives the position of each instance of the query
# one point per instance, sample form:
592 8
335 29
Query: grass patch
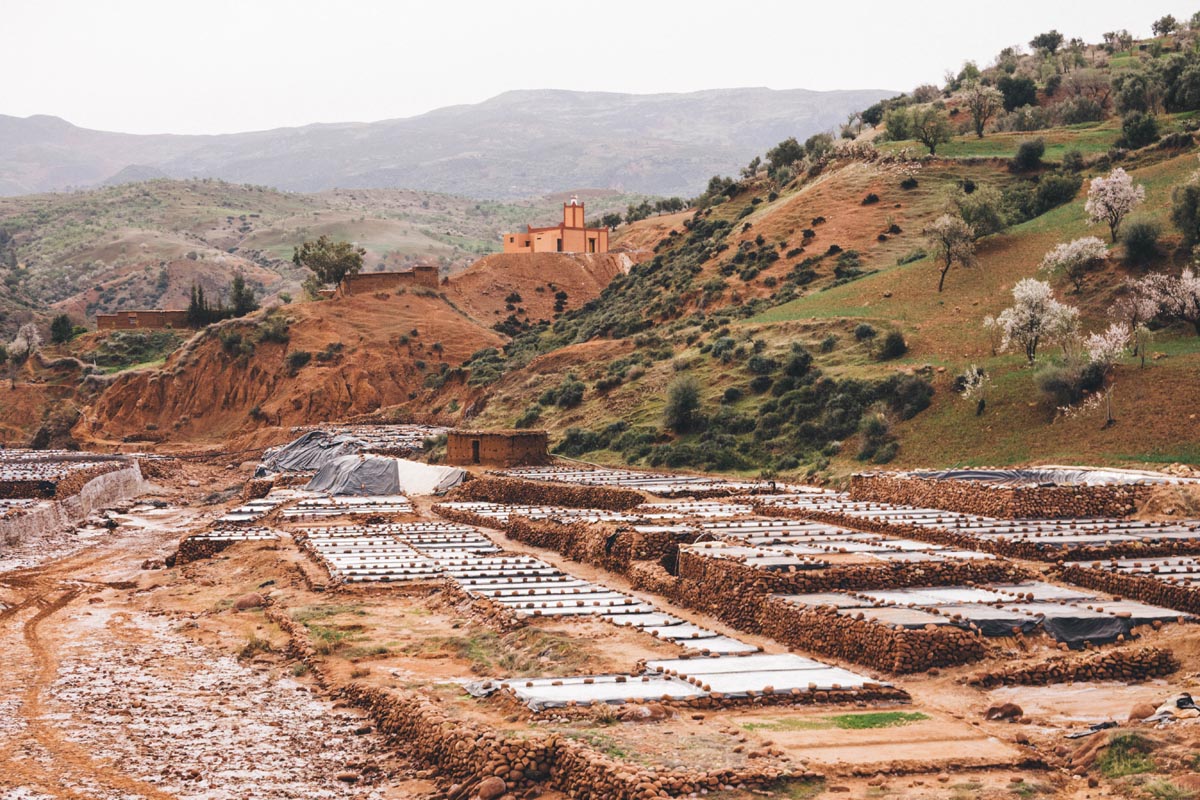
1127 754
1165 790
521 651
253 646
853 722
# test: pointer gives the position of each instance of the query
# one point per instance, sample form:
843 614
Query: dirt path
102 698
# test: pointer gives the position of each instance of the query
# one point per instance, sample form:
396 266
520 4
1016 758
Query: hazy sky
214 66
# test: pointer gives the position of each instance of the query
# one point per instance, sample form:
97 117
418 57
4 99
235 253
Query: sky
218 66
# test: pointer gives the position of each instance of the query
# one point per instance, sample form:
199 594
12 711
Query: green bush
531 415
62 330
297 359
1138 130
681 414
864 331
1029 155
1185 213
893 346
1056 189
274 329
761 365
1067 384
1140 237
828 343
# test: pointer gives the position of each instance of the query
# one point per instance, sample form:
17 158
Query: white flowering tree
1035 318
1111 199
1075 259
973 385
1176 298
27 342
1135 309
952 241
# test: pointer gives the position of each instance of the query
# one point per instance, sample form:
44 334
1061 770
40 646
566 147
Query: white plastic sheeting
382 475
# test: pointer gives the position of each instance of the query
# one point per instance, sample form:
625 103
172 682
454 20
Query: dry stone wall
514 491
1153 590
1126 664
992 500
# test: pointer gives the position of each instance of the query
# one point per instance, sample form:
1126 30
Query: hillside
144 245
518 144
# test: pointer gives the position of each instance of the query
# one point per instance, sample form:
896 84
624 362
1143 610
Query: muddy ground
125 679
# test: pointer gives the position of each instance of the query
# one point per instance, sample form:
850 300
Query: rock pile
1126 664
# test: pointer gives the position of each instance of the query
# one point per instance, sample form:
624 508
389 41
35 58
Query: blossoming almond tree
1177 298
1035 317
1076 258
1111 199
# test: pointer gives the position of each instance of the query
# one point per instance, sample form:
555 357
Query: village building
499 448
130 320
570 236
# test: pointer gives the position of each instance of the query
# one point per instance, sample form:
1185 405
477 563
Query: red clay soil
481 290
205 394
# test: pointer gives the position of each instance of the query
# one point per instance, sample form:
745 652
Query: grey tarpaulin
308 453
382 475
1049 476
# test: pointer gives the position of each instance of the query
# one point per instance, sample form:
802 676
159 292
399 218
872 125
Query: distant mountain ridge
517 144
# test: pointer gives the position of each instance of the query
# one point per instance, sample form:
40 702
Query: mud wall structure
518 448
133 320
1127 665
995 500
370 282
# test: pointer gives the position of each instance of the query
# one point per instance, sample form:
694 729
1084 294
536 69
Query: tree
241 296
1017 92
984 102
1034 318
683 403
1138 130
1075 259
1177 299
931 127
1185 210
1047 43
1111 199
952 241
982 209
1165 26
329 260
751 169
62 330
611 220
784 154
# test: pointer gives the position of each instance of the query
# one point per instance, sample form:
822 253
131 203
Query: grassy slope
1154 407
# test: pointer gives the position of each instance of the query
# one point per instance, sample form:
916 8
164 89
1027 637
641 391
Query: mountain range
517 144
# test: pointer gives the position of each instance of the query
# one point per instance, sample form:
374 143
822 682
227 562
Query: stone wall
514 491
1126 664
1146 588
132 320
369 282
993 500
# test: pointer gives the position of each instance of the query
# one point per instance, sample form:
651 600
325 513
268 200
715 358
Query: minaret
573 213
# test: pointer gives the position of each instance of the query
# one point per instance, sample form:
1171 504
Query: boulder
491 788
248 601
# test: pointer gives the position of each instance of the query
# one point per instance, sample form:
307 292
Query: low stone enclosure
1034 539
1171 582
44 491
1050 493
1126 664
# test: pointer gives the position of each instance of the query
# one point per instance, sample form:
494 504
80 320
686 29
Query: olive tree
984 102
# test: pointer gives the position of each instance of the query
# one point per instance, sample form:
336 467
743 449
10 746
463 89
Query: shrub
982 209
1067 384
1072 161
1029 155
909 183
274 329
828 343
531 415
732 395
297 359
864 331
760 384
1080 109
1185 212
870 199
683 403
761 365
1140 237
893 346
1138 130
908 395
62 330
1056 189
912 255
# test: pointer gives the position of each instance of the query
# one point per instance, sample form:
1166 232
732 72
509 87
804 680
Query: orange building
570 236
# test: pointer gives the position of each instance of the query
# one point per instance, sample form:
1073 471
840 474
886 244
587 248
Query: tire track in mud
50 589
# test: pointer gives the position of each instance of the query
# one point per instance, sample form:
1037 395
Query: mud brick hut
498 448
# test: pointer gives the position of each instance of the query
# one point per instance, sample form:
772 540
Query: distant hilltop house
570 236
130 320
